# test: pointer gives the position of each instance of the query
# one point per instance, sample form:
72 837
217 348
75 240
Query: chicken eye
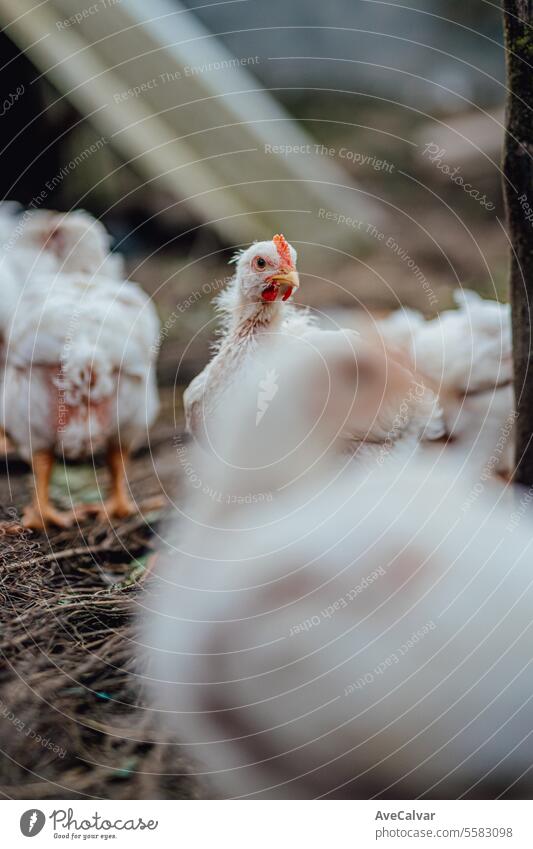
260 263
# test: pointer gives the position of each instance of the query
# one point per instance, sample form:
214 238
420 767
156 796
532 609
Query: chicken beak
287 281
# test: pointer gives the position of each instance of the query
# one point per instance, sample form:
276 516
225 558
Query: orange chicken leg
118 503
41 512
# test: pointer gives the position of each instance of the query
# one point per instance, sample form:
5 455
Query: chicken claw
38 518
112 508
118 505
41 512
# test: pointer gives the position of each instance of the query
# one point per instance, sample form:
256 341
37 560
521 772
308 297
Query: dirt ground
72 719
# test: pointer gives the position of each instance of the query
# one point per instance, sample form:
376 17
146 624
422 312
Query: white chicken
359 636
79 379
467 354
38 243
41 242
254 312
44 241
257 321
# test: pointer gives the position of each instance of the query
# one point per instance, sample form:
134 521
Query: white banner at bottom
266 824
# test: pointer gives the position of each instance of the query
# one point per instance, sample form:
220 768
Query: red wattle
270 293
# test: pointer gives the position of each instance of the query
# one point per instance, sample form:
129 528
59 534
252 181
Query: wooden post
518 190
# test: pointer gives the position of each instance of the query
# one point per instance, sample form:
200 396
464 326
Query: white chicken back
79 379
87 336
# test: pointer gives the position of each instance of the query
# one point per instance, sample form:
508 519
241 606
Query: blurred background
192 128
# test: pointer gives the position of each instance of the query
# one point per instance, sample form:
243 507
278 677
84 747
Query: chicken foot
41 512
118 504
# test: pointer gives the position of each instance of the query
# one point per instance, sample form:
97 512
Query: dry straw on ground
72 721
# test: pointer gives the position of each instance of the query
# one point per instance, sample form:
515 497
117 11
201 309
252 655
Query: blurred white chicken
43 241
257 321
348 389
467 355
39 243
79 367
360 635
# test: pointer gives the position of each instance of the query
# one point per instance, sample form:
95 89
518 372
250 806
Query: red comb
283 249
